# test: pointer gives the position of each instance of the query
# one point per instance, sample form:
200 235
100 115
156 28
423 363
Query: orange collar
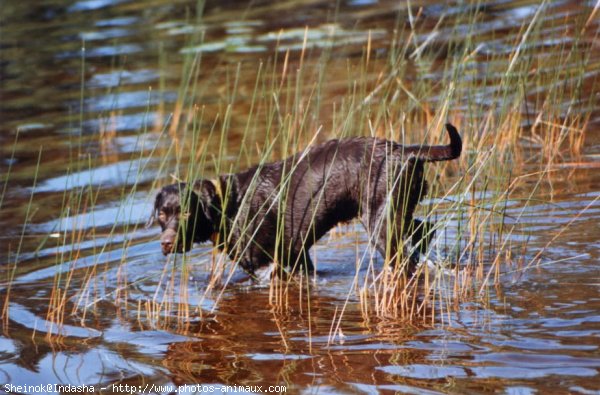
214 237
217 184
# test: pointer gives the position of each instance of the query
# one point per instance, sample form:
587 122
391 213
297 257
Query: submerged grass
531 94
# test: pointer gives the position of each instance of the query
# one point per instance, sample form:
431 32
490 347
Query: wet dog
275 212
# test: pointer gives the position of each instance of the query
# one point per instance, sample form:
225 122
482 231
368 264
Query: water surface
90 94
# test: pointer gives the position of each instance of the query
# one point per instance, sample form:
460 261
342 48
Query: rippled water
89 110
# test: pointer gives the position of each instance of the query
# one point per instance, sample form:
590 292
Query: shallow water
89 91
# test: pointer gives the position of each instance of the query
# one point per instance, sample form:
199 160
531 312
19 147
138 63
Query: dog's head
185 215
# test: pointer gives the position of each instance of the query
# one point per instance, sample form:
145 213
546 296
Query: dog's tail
436 153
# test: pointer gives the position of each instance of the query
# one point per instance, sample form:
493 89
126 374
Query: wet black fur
275 212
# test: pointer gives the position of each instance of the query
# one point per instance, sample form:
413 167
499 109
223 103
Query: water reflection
89 5
124 123
122 77
121 173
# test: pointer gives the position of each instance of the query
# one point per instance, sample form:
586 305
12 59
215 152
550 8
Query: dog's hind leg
390 224
421 235
385 228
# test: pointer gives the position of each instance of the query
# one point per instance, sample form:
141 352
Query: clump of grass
12 264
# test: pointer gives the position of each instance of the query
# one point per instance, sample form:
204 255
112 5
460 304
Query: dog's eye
162 216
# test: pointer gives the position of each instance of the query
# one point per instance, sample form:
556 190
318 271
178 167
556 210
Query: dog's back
292 203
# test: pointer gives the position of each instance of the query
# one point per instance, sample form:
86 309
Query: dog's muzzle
167 241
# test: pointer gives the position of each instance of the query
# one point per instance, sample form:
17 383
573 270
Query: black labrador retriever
275 212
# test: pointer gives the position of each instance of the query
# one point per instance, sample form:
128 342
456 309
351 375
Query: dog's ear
157 203
207 194
198 211
205 187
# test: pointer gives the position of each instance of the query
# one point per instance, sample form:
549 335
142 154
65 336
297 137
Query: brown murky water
88 109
